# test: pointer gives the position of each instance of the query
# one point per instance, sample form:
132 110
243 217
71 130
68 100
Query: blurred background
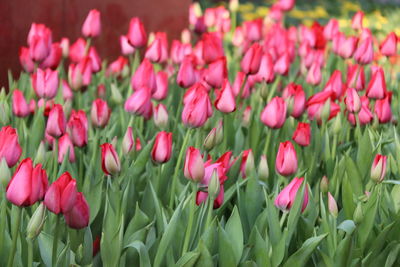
65 18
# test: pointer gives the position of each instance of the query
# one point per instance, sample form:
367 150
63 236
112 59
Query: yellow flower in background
397 31
321 12
308 22
247 7
262 11
350 6
343 23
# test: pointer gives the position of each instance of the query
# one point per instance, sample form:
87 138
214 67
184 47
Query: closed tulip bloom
39 41
383 110
352 101
355 77
225 100
109 160
238 84
77 51
64 44
28 184
335 85
378 168
61 195
286 159
389 46
80 74
218 201
253 29
285 5
364 53
100 113
357 20
282 65
56 123
212 47
19 105
365 115
126 48
137 35
162 86
274 113
78 217
158 50
66 91
77 128
216 73
347 46
25 59
54 58
302 134
162 147
128 141
295 99
331 29
316 104
94 59
144 76
377 85
194 165
197 106
92 25
139 103
118 67
285 199
160 116
45 83
65 146
186 76
314 75
332 206
266 71
251 61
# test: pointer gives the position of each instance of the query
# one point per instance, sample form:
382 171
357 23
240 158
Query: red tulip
389 46
94 59
378 168
377 85
78 217
364 53
316 103
65 145
266 71
314 75
109 160
212 47
39 41
25 59
216 73
28 184
335 85
45 83
77 51
118 67
383 110
19 105
286 159
162 147
251 61
100 113
194 165
302 135
158 50
253 29
162 86
56 123
331 29
137 35
92 25
62 194
54 58
186 76
225 100
126 48
295 99
144 76
352 101
202 197
80 74
77 128
285 199
197 106
243 164
355 77
274 113
139 103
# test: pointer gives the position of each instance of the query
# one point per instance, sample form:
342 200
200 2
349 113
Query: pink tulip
378 168
61 195
285 5
19 105
365 115
56 123
383 110
25 60
137 35
282 65
302 134
161 86
128 141
202 197
77 51
80 74
346 46
194 165
28 184
331 29
45 83
238 85
266 71
187 73
212 47
389 46
274 113
39 41
64 44
335 85
197 106
9 146
162 147
225 100
286 159
54 58
285 199
126 48
78 217
253 29
364 53
100 113
251 61
160 116
377 85
352 101
94 59
216 73
92 25
109 160
65 146
355 77
296 98
316 103
144 76
157 51
118 67
357 20
314 75
77 128
139 103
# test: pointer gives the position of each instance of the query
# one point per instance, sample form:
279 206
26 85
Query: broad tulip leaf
142 251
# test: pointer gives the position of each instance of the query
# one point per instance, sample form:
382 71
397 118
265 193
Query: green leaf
140 163
235 232
253 200
188 259
142 251
348 226
45 242
227 256
300 257
347 198
367 224
294 213
364 154
393 256
354 176
205 258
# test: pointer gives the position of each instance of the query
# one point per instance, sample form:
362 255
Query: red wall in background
65 18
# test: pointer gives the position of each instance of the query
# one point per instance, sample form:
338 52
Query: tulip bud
92 25
36 222
246 117
116 96
332 206
162 147
285 199
128 141
194 165
263 170
219 133
326 110
10 148
137 35
100 113
78 216
250 166
324 184
109 160
160 116
358 215
274 113
41 153
5 176
233 5
214 186
286 159
337 125
378 168
210 140
56 124
64 44
65 146
114 141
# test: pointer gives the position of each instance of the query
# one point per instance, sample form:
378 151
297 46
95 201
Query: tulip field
248 141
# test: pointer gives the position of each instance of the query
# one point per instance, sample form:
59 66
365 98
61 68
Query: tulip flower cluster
234 145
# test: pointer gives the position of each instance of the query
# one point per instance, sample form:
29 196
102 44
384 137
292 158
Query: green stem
190 223
30 253
177 166
210 202
283 218
15 233
267 140
240 92
88 43
55 240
